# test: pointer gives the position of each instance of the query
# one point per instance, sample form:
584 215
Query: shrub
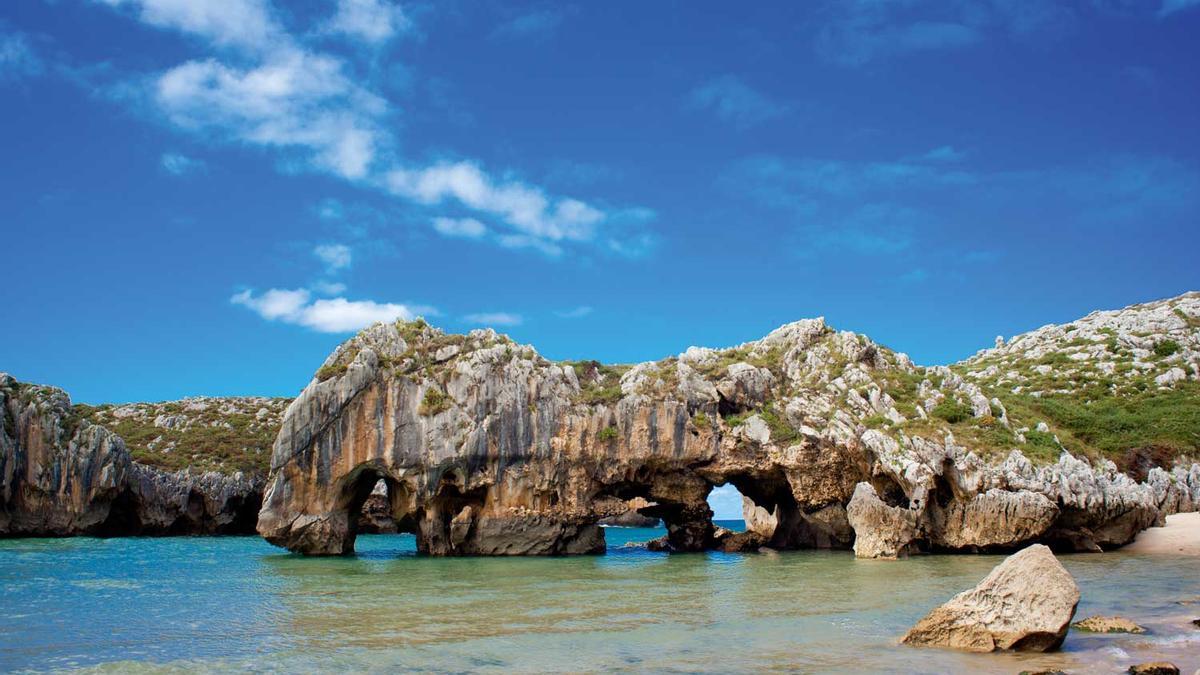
876 421
701 420
1165 348
434 402
331 371
607 434
952 411
781 431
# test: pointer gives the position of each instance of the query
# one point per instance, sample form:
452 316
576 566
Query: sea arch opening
374 502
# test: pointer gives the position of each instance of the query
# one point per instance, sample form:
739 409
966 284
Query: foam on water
236 603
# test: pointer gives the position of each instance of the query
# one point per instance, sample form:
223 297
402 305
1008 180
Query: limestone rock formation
58 474
62 475
1025 604
479 439
881 531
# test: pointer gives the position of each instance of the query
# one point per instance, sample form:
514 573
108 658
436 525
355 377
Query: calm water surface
236 603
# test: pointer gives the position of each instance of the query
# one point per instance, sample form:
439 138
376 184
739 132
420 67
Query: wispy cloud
857 32
539 23
576 313
17 56
335 257
178 164
325 315
524 208
468 228
886 208
328 287
1170 7
944 153
869 229
735 102
494 319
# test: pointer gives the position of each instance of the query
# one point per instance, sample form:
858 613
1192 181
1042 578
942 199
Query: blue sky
206 196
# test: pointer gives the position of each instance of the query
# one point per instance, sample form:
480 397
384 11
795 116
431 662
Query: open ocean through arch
237 603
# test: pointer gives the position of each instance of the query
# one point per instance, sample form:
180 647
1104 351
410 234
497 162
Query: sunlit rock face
486 448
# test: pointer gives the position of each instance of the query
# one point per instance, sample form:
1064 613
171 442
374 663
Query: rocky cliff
485 447
60 475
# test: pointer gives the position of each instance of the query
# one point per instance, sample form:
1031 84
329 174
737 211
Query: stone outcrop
1107 624
486 447
61 475
881 531
1024 604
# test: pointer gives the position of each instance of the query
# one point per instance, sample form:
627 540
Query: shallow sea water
237 603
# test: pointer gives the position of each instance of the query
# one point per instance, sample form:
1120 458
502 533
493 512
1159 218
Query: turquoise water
237 603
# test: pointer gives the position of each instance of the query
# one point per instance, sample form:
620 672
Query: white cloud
317 110
494 319
241 23
326 315
295 99
335 256
576 313
460 227
275 303
374 21
339 315
178 165
523 207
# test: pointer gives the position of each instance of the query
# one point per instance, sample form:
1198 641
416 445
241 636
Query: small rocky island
1077 436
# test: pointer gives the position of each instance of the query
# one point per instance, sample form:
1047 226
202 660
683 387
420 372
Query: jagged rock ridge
485 447
63 475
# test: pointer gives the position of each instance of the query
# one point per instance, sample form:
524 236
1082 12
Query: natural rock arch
489 449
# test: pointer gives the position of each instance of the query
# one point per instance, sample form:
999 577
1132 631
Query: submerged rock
1025 604
1154 668
1107 624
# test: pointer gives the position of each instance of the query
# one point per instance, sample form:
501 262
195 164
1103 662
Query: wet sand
1181 536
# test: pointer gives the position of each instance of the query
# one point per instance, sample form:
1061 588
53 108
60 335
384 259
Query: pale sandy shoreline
1181 536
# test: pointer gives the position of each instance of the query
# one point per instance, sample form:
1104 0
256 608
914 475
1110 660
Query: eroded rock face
60 475
488 448
881 531
1025 604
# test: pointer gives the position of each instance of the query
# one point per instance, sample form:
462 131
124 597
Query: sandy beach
1181 535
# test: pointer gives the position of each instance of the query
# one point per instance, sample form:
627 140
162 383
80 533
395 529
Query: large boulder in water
1026 603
